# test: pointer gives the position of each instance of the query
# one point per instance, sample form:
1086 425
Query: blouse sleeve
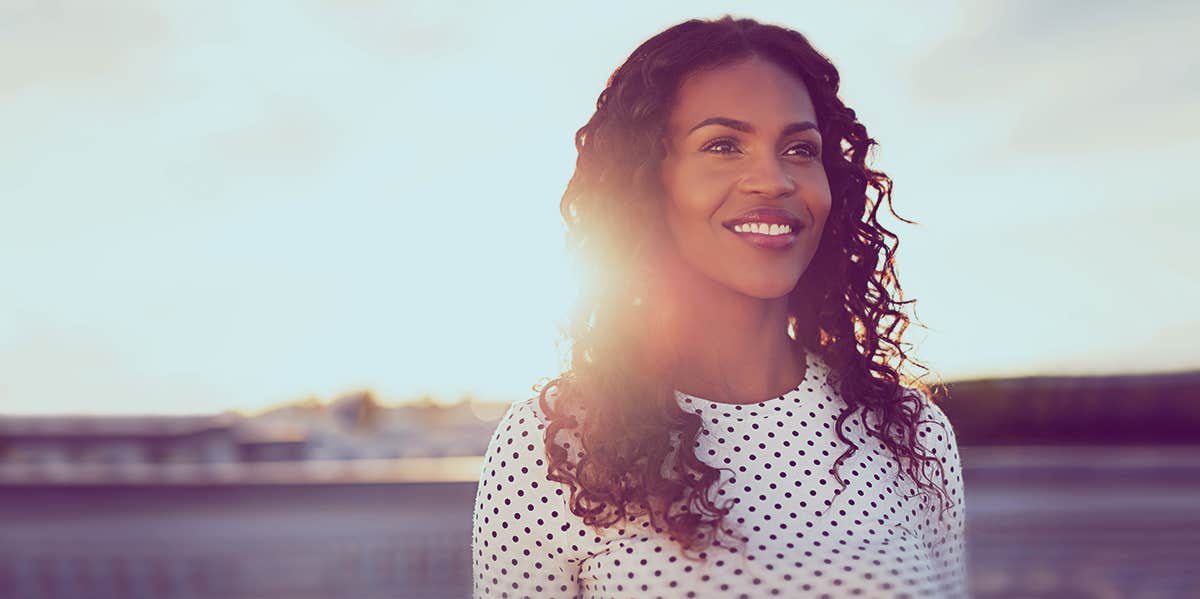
525 542
947 541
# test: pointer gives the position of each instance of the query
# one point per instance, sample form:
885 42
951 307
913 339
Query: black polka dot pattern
805 536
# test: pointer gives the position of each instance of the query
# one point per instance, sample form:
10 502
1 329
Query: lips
770 216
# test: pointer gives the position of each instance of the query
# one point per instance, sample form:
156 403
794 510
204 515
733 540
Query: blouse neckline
811 385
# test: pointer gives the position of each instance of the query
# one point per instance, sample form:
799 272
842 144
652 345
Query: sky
206 207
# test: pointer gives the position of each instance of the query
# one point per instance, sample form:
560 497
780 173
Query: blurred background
272 271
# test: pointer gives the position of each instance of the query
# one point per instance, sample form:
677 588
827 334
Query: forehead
752 90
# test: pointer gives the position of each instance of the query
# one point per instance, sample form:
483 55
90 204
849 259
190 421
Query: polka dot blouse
807 537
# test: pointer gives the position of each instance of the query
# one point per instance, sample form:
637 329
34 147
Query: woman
732 423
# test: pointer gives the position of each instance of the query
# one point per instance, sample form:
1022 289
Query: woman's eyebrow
797 127
745 127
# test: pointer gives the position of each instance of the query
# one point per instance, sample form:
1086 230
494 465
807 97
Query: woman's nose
767 176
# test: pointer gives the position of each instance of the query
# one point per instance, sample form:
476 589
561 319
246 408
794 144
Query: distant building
352 428
117 440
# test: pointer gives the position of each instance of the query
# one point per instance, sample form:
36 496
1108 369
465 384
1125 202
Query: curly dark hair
616 399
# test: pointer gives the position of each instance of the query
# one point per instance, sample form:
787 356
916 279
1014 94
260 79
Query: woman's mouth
767 236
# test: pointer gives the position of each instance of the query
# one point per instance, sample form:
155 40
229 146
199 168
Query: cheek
822 202
695 191
825 206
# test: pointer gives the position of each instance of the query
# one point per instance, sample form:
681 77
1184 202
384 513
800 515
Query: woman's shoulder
526 541
930 415
529 414
935 434
934 428
516 460
521 431
525 413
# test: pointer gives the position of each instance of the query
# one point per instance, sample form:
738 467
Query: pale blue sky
207 207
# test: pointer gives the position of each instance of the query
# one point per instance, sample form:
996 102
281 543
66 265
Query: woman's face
743 162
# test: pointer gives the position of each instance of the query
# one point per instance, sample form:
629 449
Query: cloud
397 29
1071 76
76 42
290 137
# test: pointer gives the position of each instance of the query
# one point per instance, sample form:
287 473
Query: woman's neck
729 347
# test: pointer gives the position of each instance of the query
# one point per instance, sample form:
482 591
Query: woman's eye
804 149
720 146
729 146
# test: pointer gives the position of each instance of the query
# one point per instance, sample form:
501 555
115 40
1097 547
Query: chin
772 289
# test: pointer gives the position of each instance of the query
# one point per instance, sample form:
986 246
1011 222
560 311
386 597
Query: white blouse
807 537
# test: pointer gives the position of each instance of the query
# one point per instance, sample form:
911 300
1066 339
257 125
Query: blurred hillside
1150 409
354 438
312 440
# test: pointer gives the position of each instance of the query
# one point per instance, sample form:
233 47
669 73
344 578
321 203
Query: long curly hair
616 400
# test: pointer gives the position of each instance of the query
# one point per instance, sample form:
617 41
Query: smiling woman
733 422
768 160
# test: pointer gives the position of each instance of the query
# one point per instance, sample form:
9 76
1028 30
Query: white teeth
763 229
